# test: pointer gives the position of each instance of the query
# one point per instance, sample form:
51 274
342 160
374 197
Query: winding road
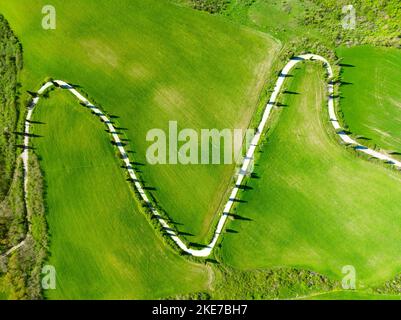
206 251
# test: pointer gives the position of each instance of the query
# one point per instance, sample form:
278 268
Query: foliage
212 6
279 283
392 286
377 22
24 266
12 212
10 65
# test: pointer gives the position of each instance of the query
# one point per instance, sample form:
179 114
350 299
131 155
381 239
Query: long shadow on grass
238 217
30 135
35 122
290 92
346 65
231 231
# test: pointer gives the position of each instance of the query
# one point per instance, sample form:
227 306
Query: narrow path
204 252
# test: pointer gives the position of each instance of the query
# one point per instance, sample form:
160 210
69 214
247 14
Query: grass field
313 204
372 104
100 243
147 63
282 19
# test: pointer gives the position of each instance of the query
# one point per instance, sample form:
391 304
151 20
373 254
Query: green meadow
371 94
100 242
311 203
149 62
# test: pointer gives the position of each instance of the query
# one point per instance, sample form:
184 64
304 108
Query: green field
313 204
372 104
148 63
100 242
282 19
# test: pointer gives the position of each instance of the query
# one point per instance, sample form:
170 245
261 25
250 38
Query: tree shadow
254 175
185 234
214 261
30 135
32 94
238 217
179 233
238 200
285 75
173 222
290 92
149 188
344 131
360 148
363 138
75 86
197 245
120 128
232 231
346 65
35 122
134 163
244 187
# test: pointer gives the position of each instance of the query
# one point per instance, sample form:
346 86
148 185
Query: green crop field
372 104
313 204
282 19
149 63
100 243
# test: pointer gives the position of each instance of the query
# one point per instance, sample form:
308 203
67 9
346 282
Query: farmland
371 105
130 258
311 206
156 71
186 66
